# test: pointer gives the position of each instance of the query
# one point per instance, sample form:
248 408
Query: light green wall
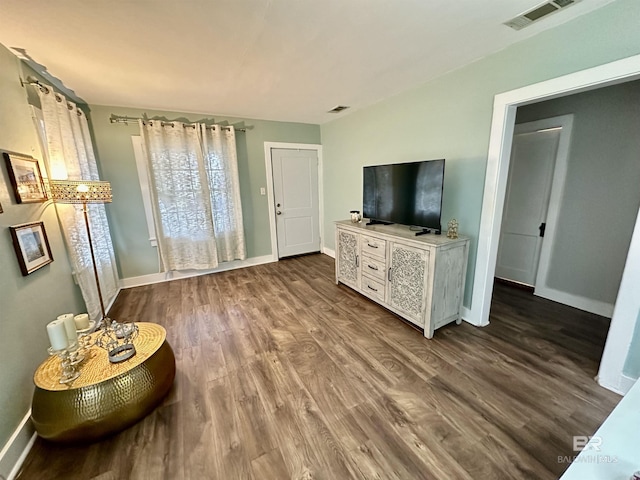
450 117
601 195
115 154
632 365
27 304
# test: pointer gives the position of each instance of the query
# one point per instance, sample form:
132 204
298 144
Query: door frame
627 304
268 146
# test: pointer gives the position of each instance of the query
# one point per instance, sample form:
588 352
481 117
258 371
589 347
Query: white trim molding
143 180
465 313
168 276
603 309
625 384
268 146
329 251
502 126
17 448
626 313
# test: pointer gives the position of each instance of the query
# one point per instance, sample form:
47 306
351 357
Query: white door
295 190
533 158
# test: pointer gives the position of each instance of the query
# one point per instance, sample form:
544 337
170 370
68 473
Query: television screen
405 193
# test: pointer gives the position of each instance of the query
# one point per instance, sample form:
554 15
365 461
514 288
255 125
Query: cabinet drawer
374 267
374 246
373 288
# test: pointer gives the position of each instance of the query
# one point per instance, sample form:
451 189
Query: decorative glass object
452 228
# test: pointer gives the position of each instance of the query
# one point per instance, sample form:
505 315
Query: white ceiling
288 60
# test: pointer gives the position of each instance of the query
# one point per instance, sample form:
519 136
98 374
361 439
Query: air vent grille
540 12
535 14
338 109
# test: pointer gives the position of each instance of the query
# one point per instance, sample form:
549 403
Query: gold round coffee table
107 397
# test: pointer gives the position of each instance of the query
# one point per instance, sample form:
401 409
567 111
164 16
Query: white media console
420 278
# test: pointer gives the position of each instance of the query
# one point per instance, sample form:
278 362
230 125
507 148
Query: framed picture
32 246
26 179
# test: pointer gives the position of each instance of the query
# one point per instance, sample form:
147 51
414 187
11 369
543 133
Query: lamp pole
93 260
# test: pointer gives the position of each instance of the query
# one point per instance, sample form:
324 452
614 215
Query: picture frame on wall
32 246
26 178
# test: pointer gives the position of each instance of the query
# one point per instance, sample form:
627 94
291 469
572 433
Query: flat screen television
405 193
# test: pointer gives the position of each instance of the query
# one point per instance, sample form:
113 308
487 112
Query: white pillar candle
82 321
70 326
57 335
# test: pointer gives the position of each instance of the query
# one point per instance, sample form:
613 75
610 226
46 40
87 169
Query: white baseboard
621 386
582 303
626 383
328 251
17 447
465 314
165 277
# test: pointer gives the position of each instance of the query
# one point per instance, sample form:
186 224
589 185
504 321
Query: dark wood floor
282 374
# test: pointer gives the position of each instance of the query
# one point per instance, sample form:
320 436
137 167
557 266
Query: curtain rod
126 120
36 83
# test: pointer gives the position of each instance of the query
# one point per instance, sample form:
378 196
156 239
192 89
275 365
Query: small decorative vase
356 217
452 228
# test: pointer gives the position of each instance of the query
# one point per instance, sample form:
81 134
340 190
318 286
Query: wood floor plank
298 455
227 451
397 451
270 465
281 374
255 432
195 409
273 379
372 464
318 435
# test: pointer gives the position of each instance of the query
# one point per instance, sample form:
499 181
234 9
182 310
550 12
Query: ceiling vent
541 11
338 109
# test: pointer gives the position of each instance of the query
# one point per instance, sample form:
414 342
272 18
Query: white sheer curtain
221 161
70 156
193 178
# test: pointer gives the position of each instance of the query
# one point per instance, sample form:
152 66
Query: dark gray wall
602 189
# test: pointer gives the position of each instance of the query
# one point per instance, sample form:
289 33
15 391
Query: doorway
294 179
628 302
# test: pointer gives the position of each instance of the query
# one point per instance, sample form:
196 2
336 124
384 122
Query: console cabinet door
407 278
348 258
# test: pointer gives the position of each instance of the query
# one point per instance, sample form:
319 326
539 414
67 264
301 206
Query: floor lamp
116 338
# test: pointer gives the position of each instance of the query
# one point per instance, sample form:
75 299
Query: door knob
278 212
